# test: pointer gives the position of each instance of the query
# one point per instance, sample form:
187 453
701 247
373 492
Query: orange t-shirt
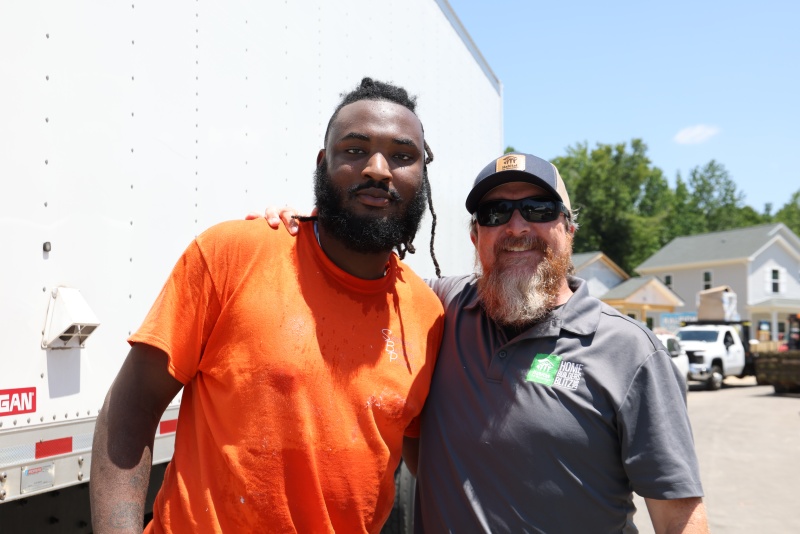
300 381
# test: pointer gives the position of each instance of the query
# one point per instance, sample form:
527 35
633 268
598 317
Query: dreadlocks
370 89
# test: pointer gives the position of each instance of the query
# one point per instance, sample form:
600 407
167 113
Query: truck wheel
401 520
714 382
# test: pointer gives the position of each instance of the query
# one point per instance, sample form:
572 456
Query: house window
776 281
706 279
668 280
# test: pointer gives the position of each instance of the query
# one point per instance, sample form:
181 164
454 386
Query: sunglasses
532 209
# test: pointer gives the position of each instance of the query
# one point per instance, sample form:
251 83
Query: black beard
364 233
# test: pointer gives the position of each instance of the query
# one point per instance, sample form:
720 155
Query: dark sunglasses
532 209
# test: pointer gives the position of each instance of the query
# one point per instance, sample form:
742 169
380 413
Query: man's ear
320 156
473 236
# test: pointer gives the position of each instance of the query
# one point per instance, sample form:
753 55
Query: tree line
627 209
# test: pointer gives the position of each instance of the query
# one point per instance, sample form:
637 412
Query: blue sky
695 80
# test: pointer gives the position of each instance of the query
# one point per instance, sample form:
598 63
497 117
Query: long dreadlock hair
370 89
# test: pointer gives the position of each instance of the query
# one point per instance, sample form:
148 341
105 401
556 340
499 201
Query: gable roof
728 245
630 287
582 260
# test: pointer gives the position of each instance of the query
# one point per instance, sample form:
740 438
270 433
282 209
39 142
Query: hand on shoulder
275 216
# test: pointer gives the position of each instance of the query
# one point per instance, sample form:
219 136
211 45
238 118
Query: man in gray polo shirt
547 407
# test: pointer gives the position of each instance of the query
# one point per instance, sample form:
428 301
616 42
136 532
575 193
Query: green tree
508 149
789 214
715 198
683 218
622 200
628 210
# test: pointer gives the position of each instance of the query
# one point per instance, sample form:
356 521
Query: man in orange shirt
302 362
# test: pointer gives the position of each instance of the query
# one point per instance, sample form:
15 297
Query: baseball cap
518 167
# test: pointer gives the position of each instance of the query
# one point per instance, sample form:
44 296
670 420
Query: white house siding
774 257
687 282
777 257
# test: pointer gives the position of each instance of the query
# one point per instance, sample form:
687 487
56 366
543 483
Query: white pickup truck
715 351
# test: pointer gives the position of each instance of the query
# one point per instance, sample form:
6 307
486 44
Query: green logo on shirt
544 368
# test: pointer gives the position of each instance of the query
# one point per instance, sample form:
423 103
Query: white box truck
128 128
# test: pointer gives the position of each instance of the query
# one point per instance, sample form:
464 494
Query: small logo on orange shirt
387 337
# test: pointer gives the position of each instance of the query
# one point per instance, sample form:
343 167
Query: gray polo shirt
552 430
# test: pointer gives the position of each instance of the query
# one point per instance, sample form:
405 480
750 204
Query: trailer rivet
2 495
80 476
46 246
3 475
80 460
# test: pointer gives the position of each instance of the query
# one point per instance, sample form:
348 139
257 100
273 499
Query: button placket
498 364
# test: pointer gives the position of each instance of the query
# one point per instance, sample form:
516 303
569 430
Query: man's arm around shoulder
674 516
122 450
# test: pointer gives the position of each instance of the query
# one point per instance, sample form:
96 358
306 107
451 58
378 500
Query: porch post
774 325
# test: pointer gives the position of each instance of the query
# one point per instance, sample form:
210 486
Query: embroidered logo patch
550 370
569 375
544 368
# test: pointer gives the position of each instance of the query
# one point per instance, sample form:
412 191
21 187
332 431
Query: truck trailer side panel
128 128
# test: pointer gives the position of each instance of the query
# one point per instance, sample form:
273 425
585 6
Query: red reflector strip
166 427
53 447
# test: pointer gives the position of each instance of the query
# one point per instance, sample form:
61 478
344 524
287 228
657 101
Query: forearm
678 516
120 475
122 451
